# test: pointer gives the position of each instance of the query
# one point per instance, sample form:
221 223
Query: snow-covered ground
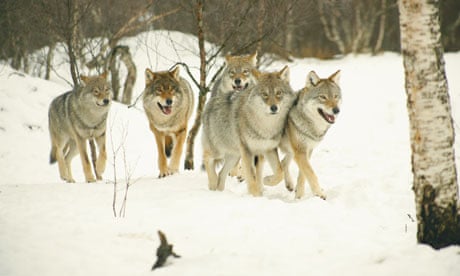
365 227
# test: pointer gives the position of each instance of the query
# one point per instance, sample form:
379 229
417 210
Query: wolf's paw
255 192
221 187
69 180
289 186
91 180
299 192
164 174
212 186
320 194
167 173
272 180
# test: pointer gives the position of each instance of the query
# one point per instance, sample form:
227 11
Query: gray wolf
237 74
249 126
317 108
75 117
168 103
236 77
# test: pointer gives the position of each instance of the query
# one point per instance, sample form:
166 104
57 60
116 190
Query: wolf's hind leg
102 156
287 175
81 145
230 161
274 161
210 166
62 164
247 162
71 151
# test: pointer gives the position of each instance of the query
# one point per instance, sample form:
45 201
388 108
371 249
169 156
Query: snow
365 227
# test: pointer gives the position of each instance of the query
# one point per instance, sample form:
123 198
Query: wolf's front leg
81 145
247 161
230 161
307 171
210 166
178 144
102 156
162 161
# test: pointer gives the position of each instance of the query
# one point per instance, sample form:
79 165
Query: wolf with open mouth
317 107
168 103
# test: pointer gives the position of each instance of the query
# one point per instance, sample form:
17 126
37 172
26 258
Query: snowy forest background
292 28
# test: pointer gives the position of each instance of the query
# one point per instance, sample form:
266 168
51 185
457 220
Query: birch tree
431 126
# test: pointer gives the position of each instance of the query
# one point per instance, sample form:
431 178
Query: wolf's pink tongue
167 110
330 118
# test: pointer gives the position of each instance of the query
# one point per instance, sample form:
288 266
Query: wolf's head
238 74
95 89
163 91
272 93
321 98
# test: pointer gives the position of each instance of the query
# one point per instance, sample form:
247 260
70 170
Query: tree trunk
72 39
188 163
431 128
330 27
49 61
127 59
381 34
260 27
115 79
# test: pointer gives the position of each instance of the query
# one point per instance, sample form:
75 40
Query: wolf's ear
312 79
253 59
84 79
175 73
256 73
284 74
104 75
149 76
335 77
228 58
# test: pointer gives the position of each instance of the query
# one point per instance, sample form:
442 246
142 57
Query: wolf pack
250 116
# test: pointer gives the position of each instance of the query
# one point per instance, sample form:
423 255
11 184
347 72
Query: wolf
168 103
317 108
237 74
75 117
236 77
250 127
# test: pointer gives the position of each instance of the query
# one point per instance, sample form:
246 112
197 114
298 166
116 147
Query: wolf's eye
231 73
336 97
322 97
246 72
96 92
265 96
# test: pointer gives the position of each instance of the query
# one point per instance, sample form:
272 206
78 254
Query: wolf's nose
336 110
237 81
106 101
274 108
168 101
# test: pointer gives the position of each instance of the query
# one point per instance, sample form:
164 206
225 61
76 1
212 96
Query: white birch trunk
431 128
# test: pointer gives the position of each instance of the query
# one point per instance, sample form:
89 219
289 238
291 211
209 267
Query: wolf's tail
53 155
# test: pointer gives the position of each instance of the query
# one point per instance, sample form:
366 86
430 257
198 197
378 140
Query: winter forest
387 162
